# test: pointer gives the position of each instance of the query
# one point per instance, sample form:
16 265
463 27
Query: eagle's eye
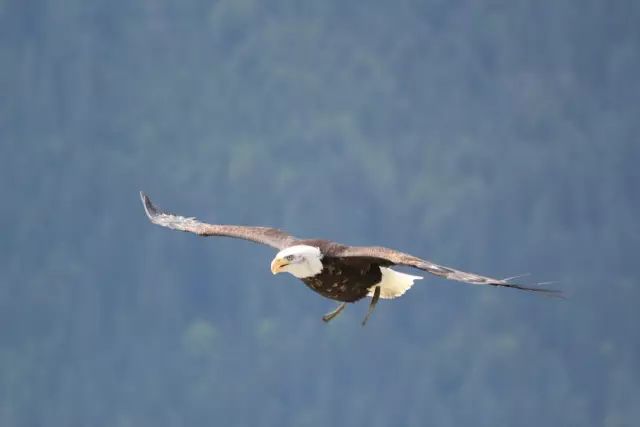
289 257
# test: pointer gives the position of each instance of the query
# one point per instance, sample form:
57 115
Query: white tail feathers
394 283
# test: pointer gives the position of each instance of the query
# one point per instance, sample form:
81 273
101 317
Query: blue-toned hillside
496 137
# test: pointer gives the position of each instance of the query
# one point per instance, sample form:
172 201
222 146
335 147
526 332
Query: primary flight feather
339 272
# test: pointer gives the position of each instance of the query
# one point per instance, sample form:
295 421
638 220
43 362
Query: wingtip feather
149 208
556 293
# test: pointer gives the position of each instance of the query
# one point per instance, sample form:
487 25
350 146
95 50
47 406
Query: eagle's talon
333 314
372 305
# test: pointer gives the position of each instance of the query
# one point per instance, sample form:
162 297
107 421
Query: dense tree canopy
498 137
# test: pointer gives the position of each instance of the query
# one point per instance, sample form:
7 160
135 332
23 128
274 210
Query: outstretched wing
267 236
392 257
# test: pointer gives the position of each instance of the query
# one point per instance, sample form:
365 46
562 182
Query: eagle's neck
311 266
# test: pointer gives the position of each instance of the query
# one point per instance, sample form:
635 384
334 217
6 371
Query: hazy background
500 137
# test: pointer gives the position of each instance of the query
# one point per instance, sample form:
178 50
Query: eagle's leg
334 313
372 305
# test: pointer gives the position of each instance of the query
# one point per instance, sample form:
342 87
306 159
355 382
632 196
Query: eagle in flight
336 271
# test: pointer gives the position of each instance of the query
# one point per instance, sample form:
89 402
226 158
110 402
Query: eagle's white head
300 260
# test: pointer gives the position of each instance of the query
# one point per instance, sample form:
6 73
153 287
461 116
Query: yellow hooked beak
277 264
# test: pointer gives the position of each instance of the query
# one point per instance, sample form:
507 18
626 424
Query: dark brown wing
390 256
267 236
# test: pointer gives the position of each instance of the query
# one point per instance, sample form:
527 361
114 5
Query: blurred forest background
501 137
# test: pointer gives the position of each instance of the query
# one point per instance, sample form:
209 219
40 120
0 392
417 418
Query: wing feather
393 257
266 235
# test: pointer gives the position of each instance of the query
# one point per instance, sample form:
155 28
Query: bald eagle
336 271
